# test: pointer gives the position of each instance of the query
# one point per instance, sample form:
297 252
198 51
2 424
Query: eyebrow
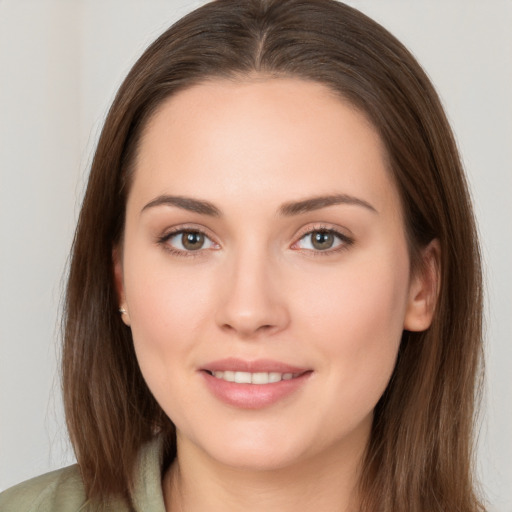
186 203
288 209
316 203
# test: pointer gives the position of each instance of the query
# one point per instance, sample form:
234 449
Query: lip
260 365
253 396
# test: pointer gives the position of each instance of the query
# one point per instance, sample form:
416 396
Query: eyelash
163 241
344 241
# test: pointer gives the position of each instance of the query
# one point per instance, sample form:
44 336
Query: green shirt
63 490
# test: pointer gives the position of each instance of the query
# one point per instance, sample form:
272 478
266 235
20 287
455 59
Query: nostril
248 315
248 330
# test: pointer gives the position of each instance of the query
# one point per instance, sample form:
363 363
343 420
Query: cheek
167 312
166 324
358 299
163 308
357 317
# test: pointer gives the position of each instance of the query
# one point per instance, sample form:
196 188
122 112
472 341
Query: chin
255 458
256 449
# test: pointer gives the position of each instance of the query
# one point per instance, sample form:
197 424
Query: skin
258 288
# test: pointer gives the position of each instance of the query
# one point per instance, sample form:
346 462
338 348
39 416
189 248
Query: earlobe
119 284
424 289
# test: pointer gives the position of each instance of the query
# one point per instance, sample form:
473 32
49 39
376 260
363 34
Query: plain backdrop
61 62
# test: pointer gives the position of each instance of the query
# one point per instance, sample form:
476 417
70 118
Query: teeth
229 376
274 377
243 378
259 378
253 378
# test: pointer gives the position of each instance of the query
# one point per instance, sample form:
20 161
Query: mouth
254 384
258 378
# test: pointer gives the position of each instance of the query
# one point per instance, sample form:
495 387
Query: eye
323 240
187 241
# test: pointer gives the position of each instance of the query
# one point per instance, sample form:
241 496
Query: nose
252 298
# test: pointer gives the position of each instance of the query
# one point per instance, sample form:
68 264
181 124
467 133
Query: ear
117 263
424 289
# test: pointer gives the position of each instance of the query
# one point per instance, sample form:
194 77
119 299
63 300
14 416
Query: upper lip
258 365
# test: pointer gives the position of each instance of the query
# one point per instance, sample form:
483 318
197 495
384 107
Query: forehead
271 138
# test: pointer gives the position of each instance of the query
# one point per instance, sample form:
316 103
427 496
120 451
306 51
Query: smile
253 384
253 378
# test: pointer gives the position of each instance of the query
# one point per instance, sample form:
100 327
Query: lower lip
253 396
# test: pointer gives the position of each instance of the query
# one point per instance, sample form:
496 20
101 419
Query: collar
148 495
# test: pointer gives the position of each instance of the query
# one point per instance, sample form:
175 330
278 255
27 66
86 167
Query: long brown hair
419 456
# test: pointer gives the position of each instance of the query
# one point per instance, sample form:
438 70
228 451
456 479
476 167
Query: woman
274 299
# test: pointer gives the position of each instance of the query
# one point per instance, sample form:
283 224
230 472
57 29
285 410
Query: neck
326 482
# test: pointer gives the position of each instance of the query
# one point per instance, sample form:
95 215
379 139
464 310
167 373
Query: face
265 271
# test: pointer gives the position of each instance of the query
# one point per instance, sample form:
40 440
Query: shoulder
63 490
58 491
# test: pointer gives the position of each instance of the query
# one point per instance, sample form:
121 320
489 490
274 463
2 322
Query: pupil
192 241
323 240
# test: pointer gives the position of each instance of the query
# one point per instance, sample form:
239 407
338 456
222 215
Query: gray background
60 64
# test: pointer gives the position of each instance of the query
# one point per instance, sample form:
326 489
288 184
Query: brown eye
186 241
192 240
322 240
